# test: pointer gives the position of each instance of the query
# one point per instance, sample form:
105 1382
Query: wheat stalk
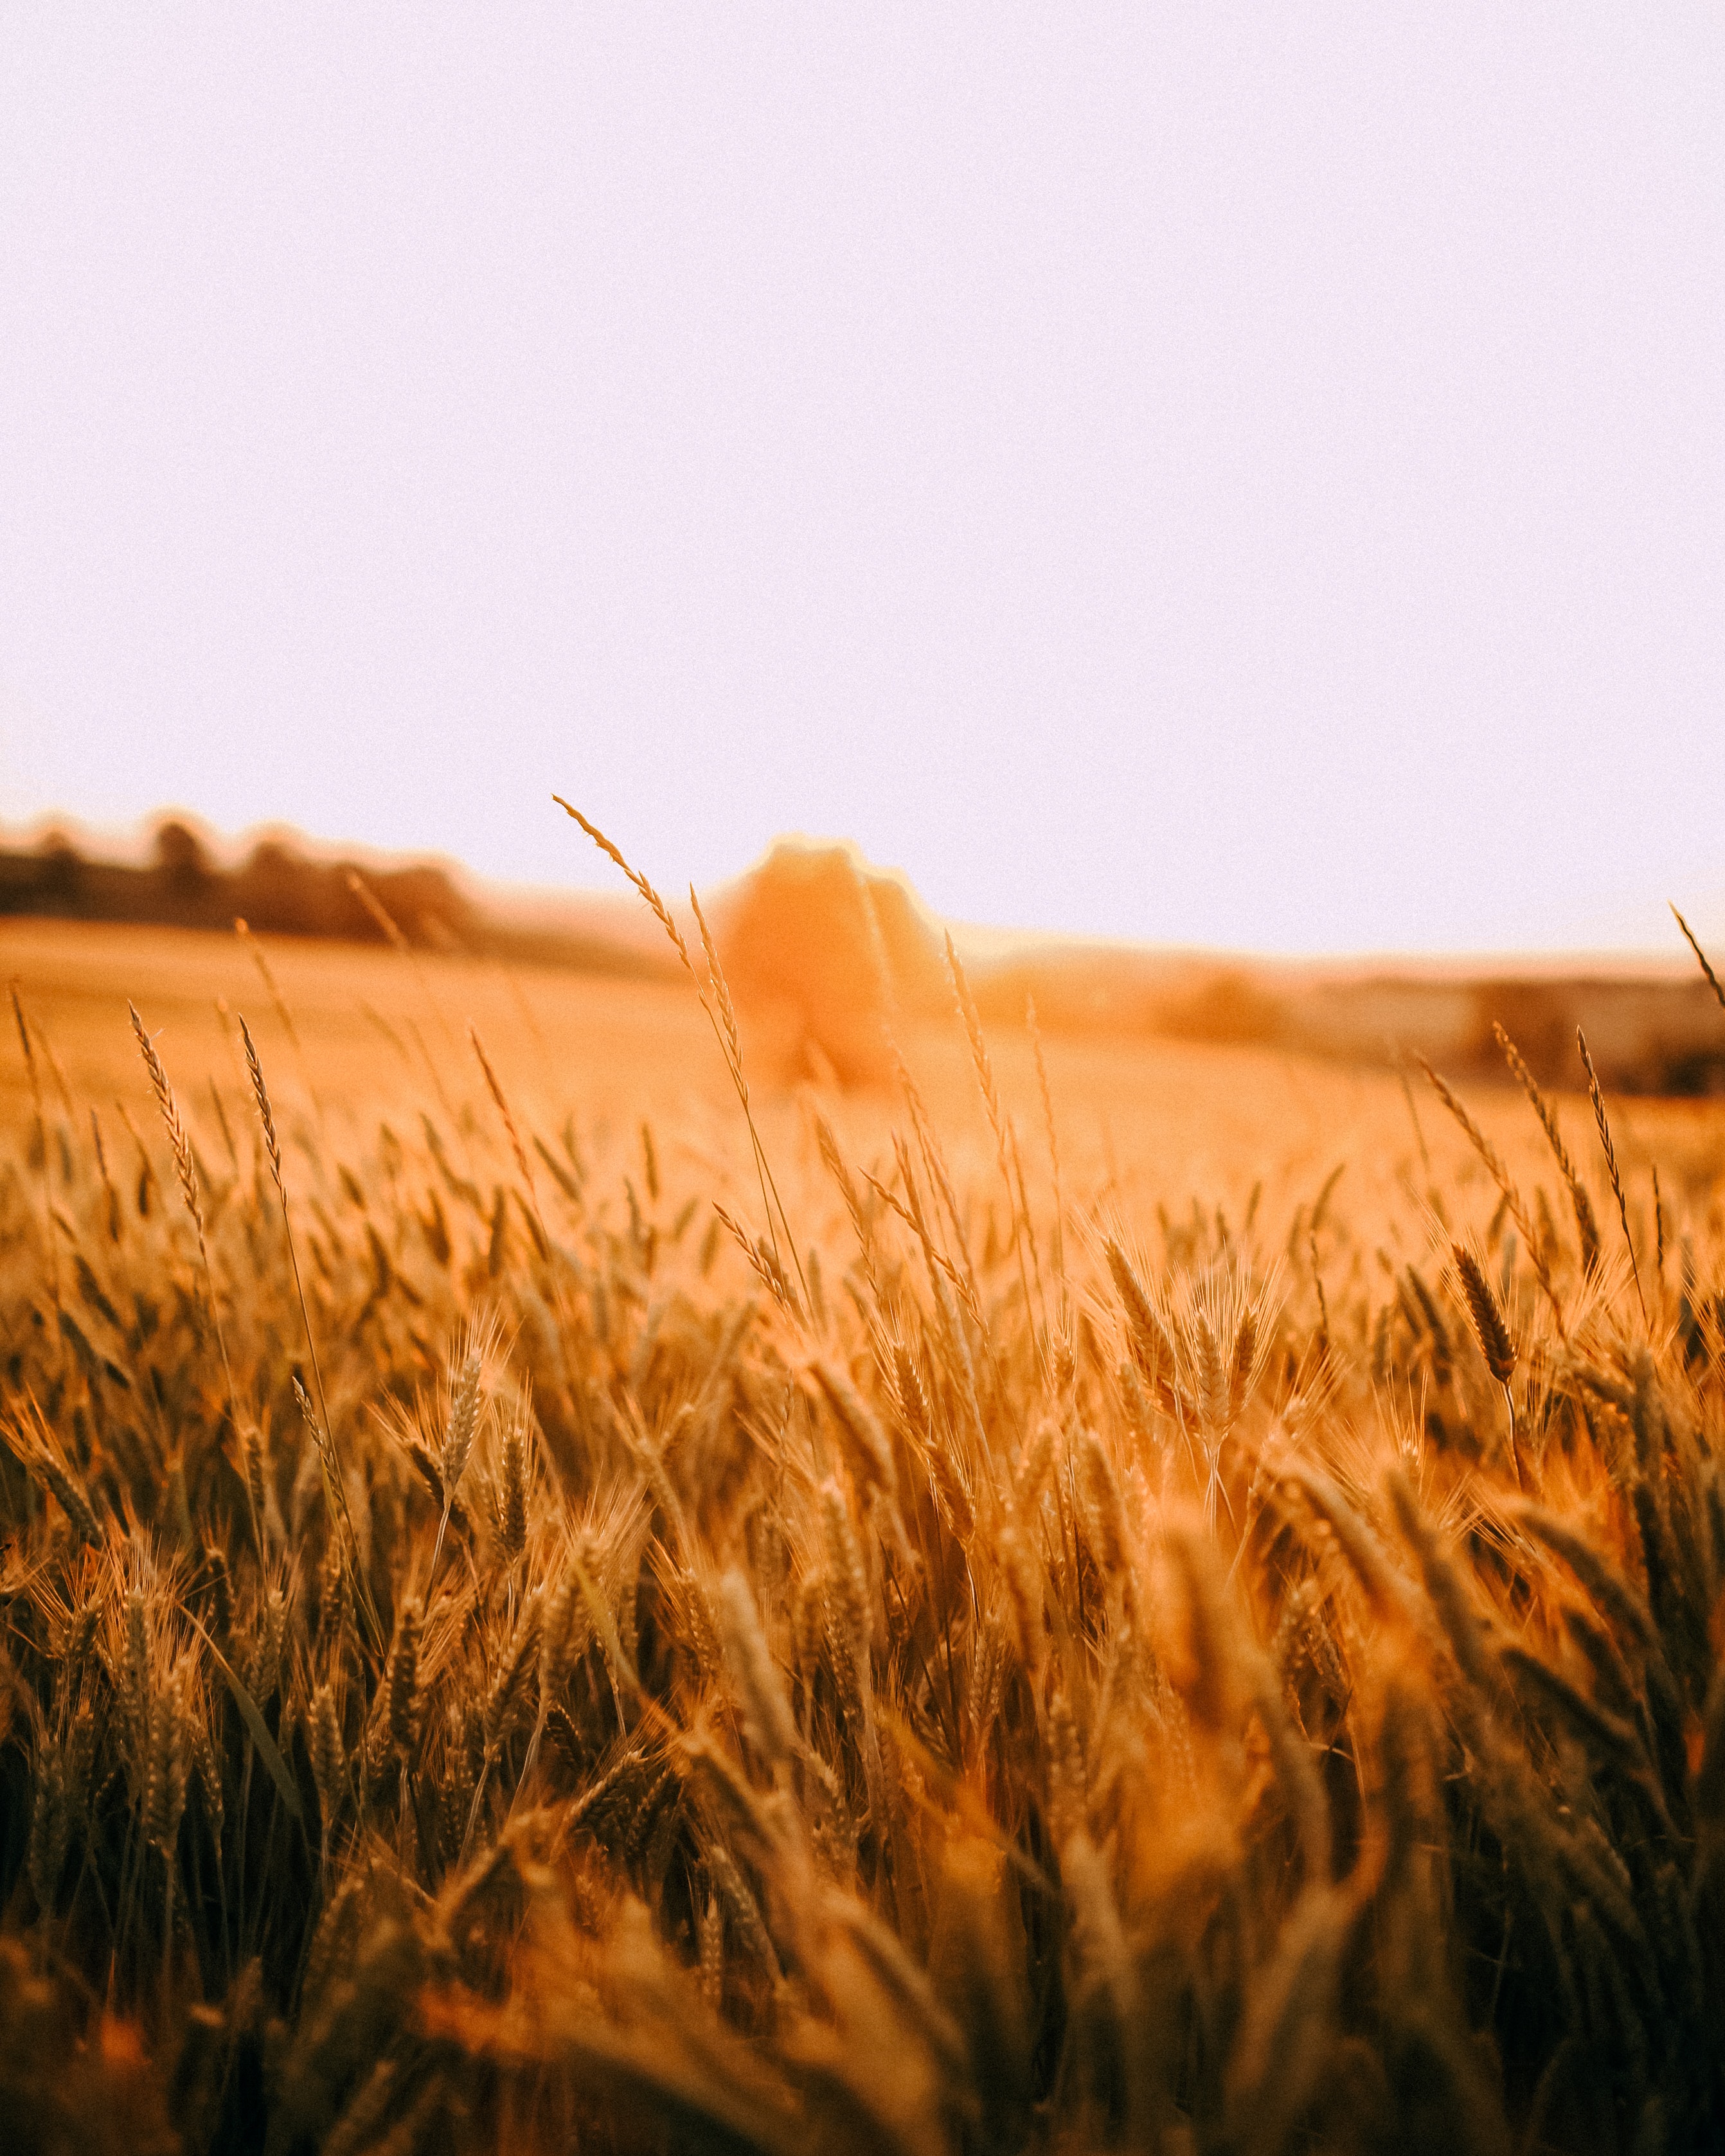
1512 1197
35 1083
185 1169
1610 1152
1586 1227
715 1001
335 1487
1701 956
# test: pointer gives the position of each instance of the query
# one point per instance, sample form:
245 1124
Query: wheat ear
1599 1101
1496 1343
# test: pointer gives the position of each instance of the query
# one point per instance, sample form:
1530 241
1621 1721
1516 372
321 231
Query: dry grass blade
334 1486
1586 1227
1512 1197
1317 1288
185 1169
35 1084
661 912
278 1004
763 1262
833 1162
1053 1137
936 1258
256 1727
379 913
715 1001
1610 1151
1701 957
525 1166
999 1123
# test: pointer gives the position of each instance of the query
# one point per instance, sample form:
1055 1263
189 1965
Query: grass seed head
185 1166
164 1774
464 1420
766 1713
328 1760
403 1691
1496 1343
513 1480
266 1117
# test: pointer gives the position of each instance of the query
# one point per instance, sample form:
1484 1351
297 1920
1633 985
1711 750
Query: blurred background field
823 944
356 1034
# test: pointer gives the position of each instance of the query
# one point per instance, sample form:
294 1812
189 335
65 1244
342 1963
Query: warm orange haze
862 1081
706 1526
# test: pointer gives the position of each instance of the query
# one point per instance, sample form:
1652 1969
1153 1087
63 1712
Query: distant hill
826 955
1648 1032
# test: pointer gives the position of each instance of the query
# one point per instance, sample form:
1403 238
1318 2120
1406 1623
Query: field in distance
352 1034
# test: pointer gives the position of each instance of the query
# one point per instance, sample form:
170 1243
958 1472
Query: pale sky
1245 476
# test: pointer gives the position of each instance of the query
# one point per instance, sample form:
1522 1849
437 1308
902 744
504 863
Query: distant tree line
283 891
815 966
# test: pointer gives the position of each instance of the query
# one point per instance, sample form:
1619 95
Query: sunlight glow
1244 479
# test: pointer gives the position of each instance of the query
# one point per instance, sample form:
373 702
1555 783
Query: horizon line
127 845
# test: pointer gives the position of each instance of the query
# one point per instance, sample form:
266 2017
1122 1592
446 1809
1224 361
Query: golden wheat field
563 1592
